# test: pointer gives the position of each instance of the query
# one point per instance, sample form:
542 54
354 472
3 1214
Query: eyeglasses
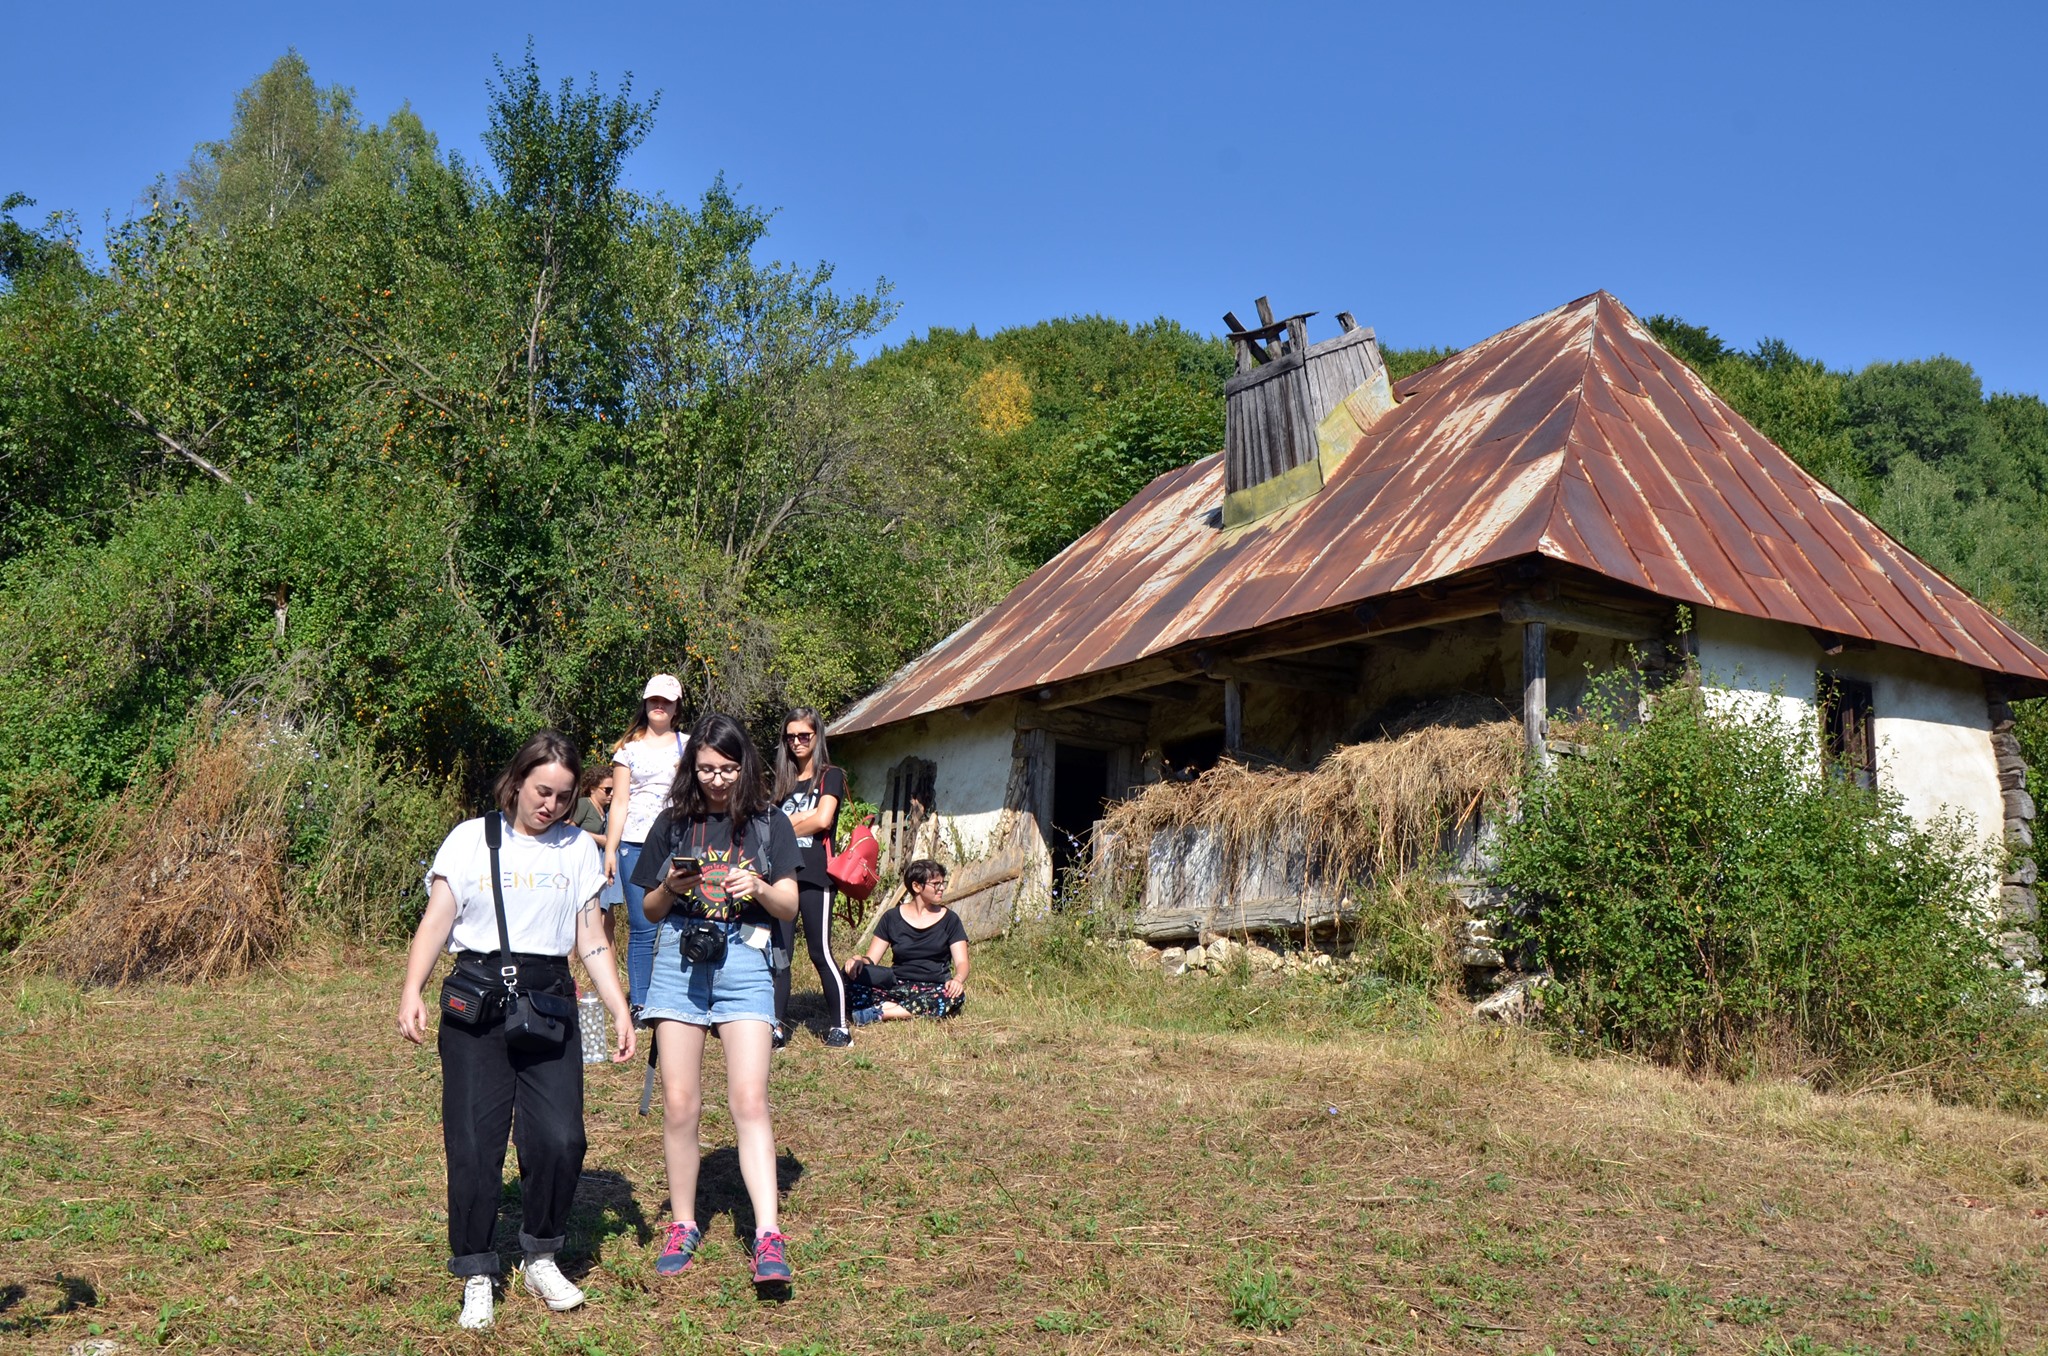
708 773
800 736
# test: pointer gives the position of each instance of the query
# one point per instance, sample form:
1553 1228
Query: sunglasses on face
800 736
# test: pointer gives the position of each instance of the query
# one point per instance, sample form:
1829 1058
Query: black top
804 797
767 846
921 955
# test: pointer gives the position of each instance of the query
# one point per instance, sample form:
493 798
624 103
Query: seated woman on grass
928 973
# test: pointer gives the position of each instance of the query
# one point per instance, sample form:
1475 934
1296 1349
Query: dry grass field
1087 1161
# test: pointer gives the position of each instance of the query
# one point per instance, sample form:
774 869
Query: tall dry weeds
1375 809
186 878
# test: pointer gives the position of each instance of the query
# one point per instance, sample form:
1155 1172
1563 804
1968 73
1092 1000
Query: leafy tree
1932 409
290 140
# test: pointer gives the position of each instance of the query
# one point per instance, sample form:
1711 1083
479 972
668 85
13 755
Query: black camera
704 943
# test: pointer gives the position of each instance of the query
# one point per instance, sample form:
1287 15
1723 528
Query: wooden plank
1071 724
1233 715
1295 677
1132 678
1586 619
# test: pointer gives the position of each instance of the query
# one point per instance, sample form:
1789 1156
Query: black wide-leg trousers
488 1091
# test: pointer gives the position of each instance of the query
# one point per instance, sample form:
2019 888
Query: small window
1848 738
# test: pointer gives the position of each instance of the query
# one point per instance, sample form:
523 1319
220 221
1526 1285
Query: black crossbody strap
494 831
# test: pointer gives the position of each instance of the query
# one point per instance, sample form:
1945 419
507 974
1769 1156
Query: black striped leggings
814 909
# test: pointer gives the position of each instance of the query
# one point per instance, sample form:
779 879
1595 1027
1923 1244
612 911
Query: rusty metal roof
1573 436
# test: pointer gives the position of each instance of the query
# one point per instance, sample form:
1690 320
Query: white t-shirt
546 879
652 764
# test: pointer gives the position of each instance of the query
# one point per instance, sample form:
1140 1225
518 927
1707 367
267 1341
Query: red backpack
858 869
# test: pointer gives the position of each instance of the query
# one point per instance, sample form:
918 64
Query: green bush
1703 893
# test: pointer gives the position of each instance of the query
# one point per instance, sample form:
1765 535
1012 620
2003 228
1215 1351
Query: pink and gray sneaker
771 1259
678 1250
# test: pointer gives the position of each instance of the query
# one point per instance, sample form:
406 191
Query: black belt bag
470 997
535 1020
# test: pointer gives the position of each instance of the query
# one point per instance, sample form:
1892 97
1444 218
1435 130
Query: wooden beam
1367 622
1120 708
1833 642
1301 677
1131 678
1586 618
1071 724
1233 715
1535 686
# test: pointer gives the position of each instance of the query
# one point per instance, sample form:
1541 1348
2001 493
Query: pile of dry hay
186 879
1375 809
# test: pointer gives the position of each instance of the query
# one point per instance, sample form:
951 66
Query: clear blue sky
1865 181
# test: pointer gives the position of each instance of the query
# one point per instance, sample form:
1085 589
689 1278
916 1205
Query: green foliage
1260 1299
290 140
1703 894
1403 928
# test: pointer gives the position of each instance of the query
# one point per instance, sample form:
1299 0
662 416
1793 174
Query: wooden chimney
1294 410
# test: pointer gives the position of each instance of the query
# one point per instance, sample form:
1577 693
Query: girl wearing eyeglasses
719 870
810 791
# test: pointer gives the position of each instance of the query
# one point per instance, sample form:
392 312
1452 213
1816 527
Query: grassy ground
1086 1161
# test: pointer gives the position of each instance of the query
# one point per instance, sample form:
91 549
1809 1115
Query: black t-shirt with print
768 846
921 955
814 847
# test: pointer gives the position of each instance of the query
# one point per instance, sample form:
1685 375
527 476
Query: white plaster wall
972 754
1761 668
1933 736
1933 727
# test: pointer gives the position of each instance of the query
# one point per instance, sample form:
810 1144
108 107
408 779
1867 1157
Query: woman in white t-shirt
643 772
550 874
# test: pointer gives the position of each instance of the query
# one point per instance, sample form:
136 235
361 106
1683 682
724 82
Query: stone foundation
2017 920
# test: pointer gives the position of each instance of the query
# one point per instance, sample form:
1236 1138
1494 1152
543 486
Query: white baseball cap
663 685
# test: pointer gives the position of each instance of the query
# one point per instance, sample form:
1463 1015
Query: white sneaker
545 1279
476 1303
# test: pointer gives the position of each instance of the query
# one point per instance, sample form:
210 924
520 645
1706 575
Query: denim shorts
740 988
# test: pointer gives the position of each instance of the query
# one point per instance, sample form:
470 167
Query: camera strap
494 831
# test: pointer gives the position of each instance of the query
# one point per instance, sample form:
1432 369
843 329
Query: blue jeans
639 932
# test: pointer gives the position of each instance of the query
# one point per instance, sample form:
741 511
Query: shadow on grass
606 1206
73 1293
722 1191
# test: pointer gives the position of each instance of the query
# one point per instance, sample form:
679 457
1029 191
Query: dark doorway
1080 786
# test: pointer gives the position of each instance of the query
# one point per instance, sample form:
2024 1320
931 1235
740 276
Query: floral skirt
921 1000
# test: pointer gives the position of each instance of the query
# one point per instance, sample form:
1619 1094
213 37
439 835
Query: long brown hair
640 726
548 746
749 794
786 776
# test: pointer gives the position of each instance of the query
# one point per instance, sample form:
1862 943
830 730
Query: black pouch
536 1020
469 997
878 976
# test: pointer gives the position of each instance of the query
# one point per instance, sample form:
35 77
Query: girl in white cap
643 771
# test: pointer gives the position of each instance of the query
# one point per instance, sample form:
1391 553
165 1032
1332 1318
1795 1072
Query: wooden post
1535 686
1233 715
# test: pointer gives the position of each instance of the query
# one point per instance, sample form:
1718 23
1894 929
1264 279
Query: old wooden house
1531 510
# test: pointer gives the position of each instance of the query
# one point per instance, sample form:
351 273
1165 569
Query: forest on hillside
425 453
